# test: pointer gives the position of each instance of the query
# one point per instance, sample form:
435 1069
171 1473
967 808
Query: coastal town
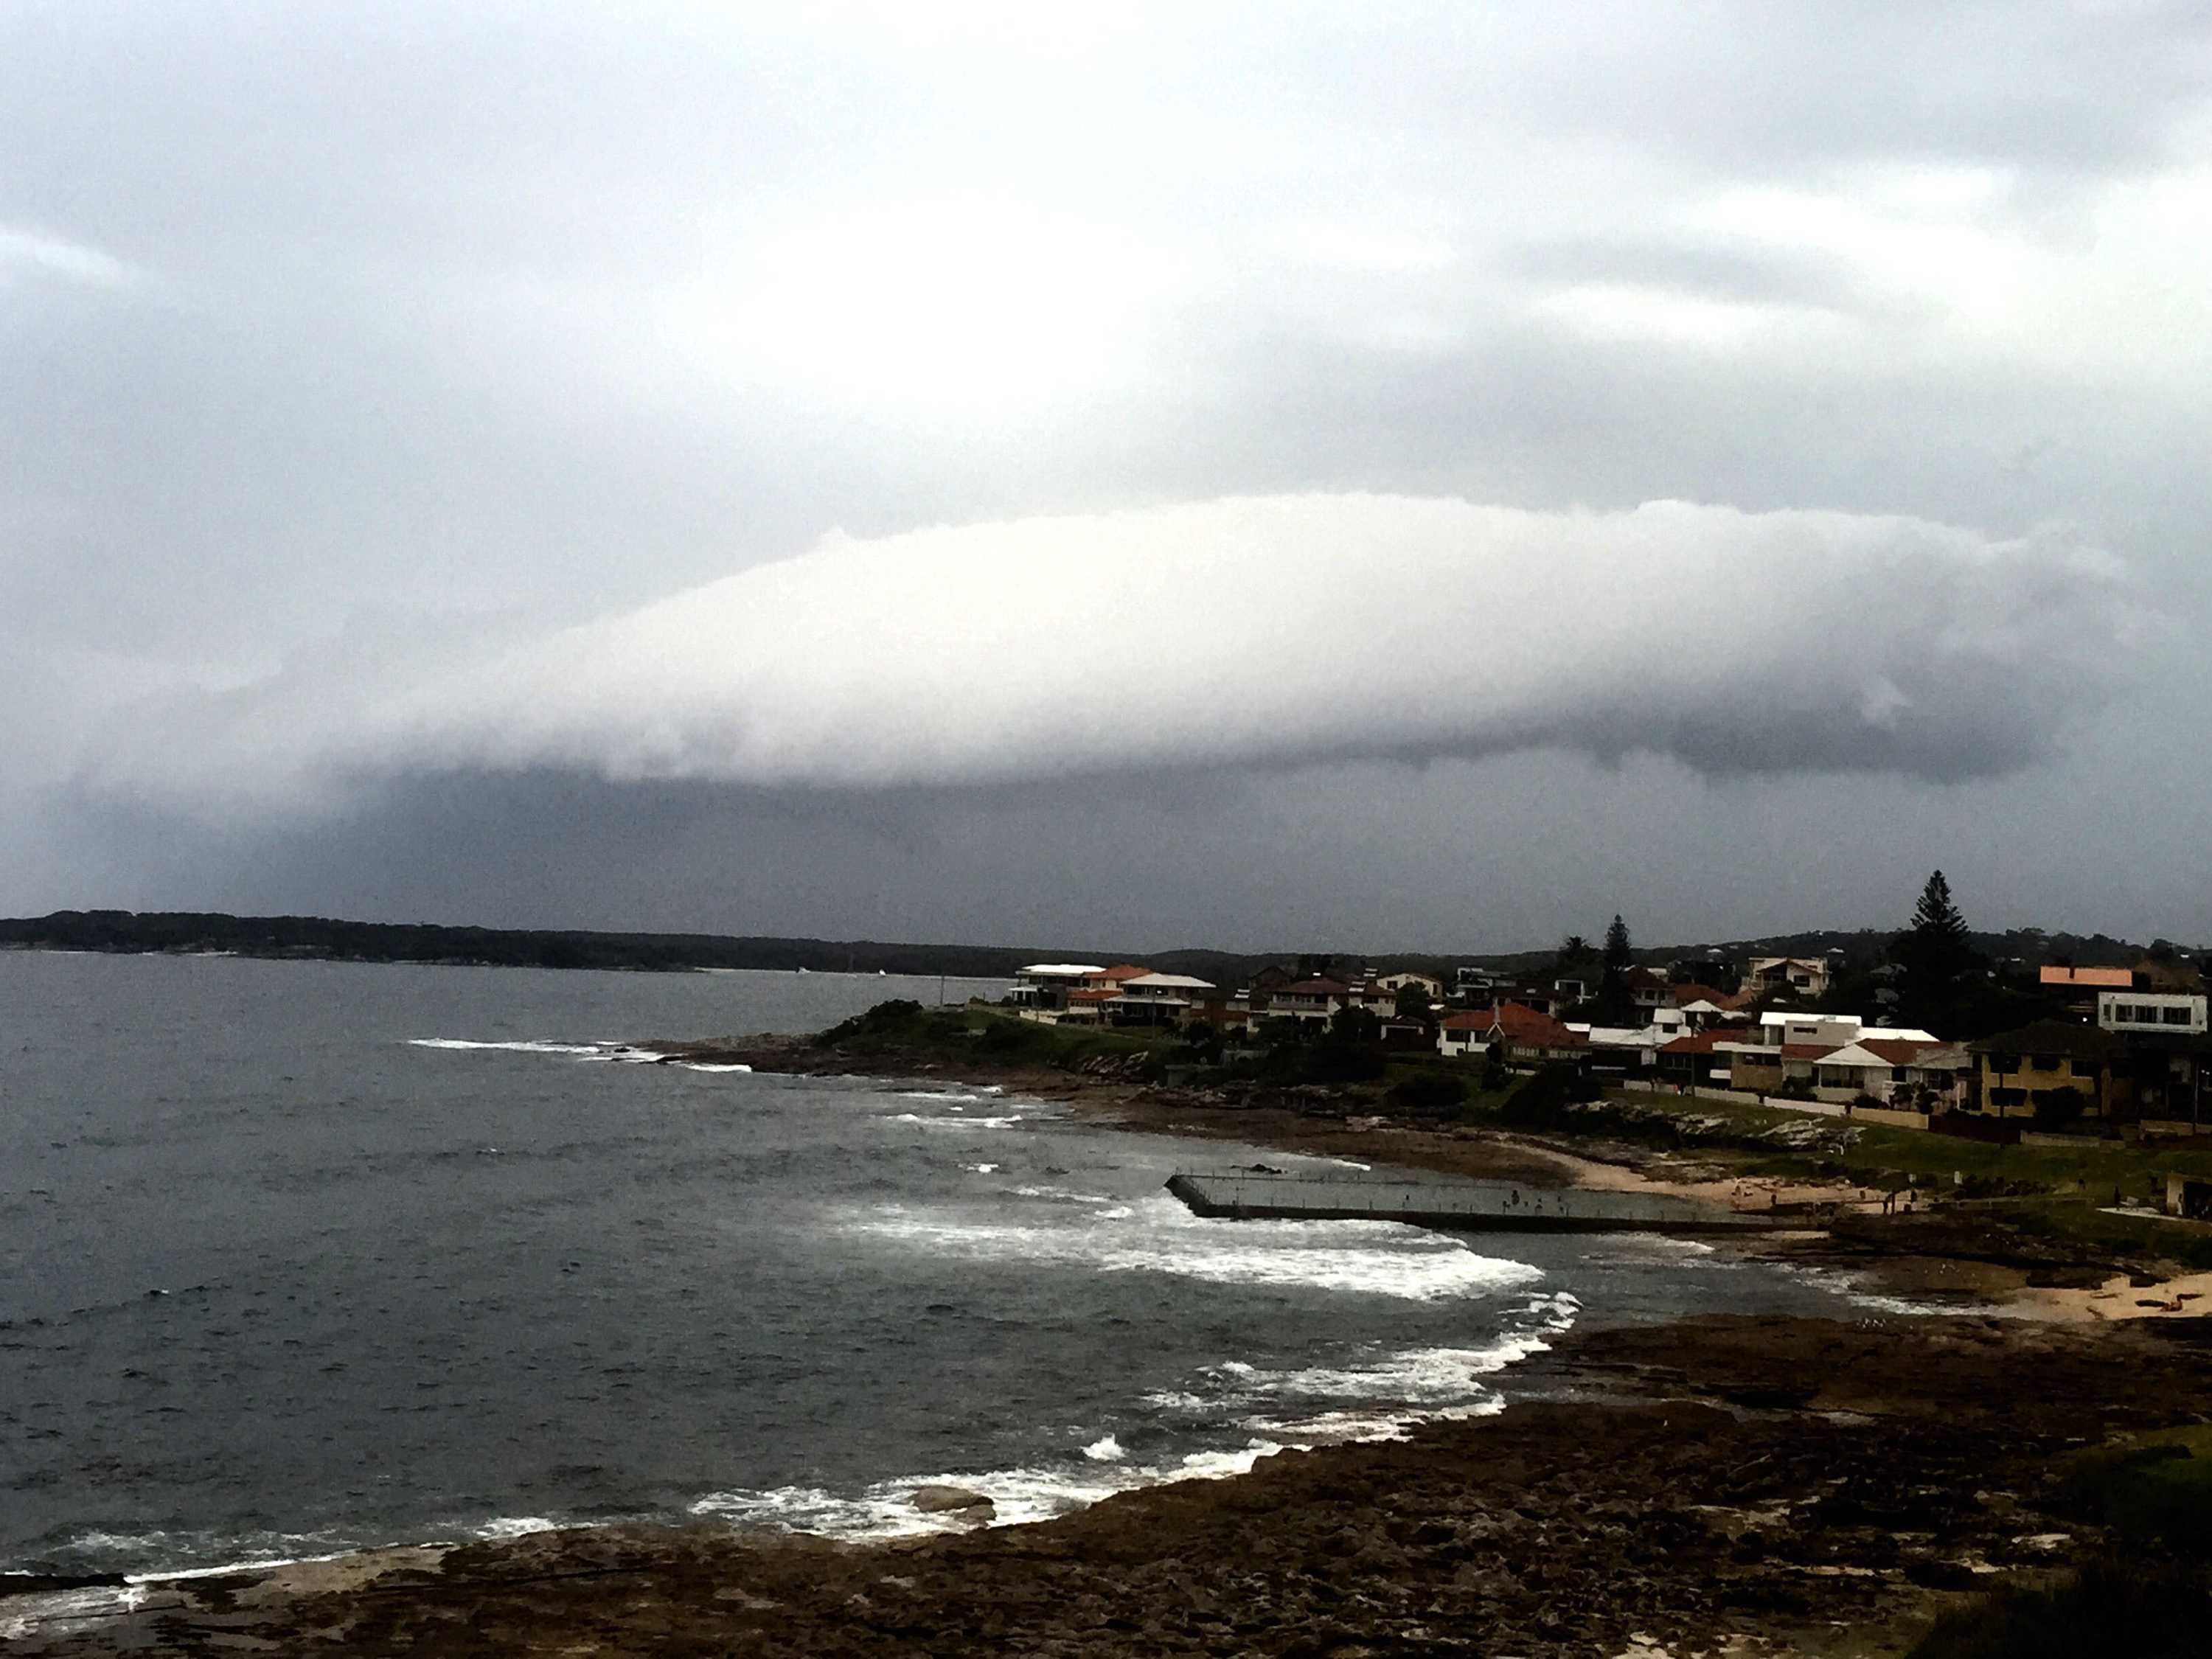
2112 1053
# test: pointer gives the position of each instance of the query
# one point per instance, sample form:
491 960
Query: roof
2054 1037
1100 995
1684 996
1059 970
2117 979
1315 987
1698 1043
1701 1007
1897 1051
1121 971
1516 1024
1875 1052
1811 1050
1525 1025
1799 1017
1169 982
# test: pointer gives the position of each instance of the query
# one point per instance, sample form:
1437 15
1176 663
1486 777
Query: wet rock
952 1500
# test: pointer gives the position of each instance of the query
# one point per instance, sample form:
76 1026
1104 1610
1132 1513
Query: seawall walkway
1467 1206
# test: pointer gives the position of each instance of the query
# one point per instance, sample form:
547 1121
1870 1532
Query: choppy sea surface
301 1257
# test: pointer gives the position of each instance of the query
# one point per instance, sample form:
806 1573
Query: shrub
2133 1608
1429 1091
884 1016
2057 1108
1543 1099
1011 1037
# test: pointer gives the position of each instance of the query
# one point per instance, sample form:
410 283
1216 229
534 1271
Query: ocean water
297 1258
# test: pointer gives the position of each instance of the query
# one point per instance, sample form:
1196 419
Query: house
1935 1080
2080 986
1649 990
1047 984
1108 978
1867 1068
1430 986
1834 1030
1519 1035
1314 1000
1626 1051
2057 1068
2169 1052
1693 1059
2166 1013
1157 999
2064 976
1807 977
1264 983
1087 1007
1474 983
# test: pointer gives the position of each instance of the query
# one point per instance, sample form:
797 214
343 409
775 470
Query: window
2175 1016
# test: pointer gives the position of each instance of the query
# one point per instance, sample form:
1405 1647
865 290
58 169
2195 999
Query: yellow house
2053 1065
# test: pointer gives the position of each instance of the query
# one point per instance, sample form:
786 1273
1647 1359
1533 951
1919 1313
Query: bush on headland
1429 1091
890 1018
2144 1610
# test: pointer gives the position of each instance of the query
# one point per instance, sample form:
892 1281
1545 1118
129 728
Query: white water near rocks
299 1258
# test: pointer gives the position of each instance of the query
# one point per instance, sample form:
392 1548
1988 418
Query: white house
1157 999
1312 999
2172 1013
1046 984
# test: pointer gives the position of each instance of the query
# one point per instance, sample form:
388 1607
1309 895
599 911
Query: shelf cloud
1243 633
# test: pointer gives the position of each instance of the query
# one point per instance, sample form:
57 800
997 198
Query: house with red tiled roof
1521 1035
1696 1059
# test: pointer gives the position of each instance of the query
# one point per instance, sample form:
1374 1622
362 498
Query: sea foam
1379 1258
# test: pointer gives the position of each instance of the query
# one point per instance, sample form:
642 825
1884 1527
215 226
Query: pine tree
1936 955
1613 1001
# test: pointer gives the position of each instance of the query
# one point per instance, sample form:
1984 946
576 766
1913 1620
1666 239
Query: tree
1574 951
1614 1003
1936 956
1412 1002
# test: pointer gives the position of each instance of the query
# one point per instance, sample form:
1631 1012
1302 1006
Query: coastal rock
953 1500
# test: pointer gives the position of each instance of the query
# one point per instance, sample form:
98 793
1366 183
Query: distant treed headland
321 939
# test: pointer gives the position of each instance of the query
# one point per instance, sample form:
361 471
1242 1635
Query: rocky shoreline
1724 1486
1747 1486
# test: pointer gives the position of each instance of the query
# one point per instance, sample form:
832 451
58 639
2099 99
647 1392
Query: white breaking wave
1017 1496
1007 1122
1379 1258
513 1526
621 1052
981 1168
1106 1451
1063 1195
464 1044
702 1066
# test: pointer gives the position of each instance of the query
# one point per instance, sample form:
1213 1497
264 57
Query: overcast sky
1369 477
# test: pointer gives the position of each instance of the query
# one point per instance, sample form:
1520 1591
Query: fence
1888 1117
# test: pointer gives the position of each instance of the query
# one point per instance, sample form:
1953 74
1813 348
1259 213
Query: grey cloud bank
1243 633
388 393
